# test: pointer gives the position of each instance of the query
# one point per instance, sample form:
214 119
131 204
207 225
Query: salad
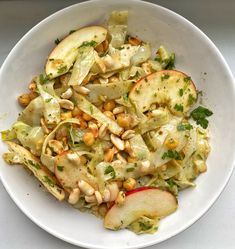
111 128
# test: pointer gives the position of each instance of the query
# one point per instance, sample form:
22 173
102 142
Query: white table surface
215 230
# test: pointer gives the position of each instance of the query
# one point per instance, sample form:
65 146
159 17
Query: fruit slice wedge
144 201
168 87
64 54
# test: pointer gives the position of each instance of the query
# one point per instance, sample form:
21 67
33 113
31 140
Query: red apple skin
140 201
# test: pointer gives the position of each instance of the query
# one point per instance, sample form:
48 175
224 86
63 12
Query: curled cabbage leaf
29 137
83 64
142 55
51 104
47 160
117 27
32 114
20 155
94 112
111 91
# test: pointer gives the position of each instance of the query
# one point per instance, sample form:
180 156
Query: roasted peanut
117 142
74 196
86 188
109 114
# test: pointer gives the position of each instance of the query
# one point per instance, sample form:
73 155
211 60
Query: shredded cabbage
83 64
117 27
29 137
51 110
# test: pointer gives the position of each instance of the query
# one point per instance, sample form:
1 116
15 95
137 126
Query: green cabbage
117 27
51 104
83 64
29 137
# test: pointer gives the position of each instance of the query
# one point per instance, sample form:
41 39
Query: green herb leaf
184 127
110 170
173 154
60 168
91 109
43 79
144 226
130 169
49 181
170 63
181 92
187 79
57 41
171 183
35 165
125 97
48 100
62 69
88 44
191 99
200 115
165 77
179 107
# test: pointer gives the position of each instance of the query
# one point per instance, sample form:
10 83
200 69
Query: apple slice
64 54
69 171
168 87
144 201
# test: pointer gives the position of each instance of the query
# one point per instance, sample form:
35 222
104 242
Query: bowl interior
195 55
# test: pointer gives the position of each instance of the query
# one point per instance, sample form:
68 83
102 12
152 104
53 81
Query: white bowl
196 55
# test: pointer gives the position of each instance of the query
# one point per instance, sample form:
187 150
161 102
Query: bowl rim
219 191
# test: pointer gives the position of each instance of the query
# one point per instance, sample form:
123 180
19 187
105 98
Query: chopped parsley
145 226
130 169
171 183
179 107
157 58
62 69
181 92
173 154
48 100
88 44
184 127
43 79
110 171
57 41
187 79
137 91
125 97
60 168
49 181
165 77
170 63
191 99
200 115
34 164
91 109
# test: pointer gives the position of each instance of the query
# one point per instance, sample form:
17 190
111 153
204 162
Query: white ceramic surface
196 55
